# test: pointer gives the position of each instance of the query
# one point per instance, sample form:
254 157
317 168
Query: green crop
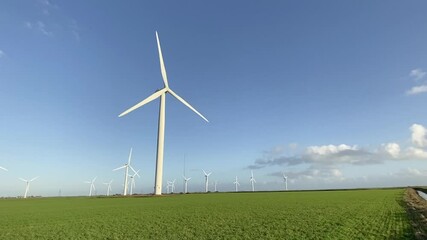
356 214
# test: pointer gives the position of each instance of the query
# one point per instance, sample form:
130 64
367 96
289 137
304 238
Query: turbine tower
27 187
92 186
252 180
108 187
237 184
206 180
285 179
126 167
186 183
161 127
215 184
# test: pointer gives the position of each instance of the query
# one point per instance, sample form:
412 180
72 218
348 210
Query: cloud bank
334 155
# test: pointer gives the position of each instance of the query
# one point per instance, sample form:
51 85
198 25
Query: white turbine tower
186 183
285 179
132 181
161 127
108 187
206 180
252 180
92 186
27 187
126 167
237 184
215 184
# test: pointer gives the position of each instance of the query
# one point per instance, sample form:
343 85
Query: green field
358 214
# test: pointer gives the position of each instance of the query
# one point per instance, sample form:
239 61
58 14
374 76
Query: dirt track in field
416 207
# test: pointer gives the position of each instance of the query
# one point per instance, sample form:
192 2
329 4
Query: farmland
356 214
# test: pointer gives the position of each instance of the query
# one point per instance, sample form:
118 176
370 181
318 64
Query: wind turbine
206 180
92 186
252 180
27 188
237 184
132 181
161 127
215 184
173 186
186 183
108 187
285 179
168 186
126 167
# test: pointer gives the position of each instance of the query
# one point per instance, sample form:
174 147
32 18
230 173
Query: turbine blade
94 179
22 179
162 64
119 168
188 179
145 101
130 156
3 168
186 104
34 179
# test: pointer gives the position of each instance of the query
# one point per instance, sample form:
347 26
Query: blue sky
332 92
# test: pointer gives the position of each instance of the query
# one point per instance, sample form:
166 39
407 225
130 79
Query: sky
330 93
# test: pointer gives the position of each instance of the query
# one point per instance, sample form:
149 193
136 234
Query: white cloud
417 73
417 89
419 135
329 149
416 153
39 26
2 54
393 149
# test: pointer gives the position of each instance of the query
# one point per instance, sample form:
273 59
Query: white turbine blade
162 64
204 172
209 174
130 156
23 179
188 179
87 182
94 179
186 104
3 168
254 180
34 179
145 101
119 168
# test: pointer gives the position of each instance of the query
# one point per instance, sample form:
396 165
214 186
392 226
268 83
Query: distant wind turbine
206 180
92 186
252 180
186 183
132 181
285 179
108 187
237 184
161 127
27 187
126 167
215 184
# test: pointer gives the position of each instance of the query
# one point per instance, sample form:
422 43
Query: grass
359 214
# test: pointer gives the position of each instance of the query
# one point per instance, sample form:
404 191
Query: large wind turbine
132 181
126 167
237 184
92 186
252 180
186 183
27 187
161 127
108 187
285 179
206 180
